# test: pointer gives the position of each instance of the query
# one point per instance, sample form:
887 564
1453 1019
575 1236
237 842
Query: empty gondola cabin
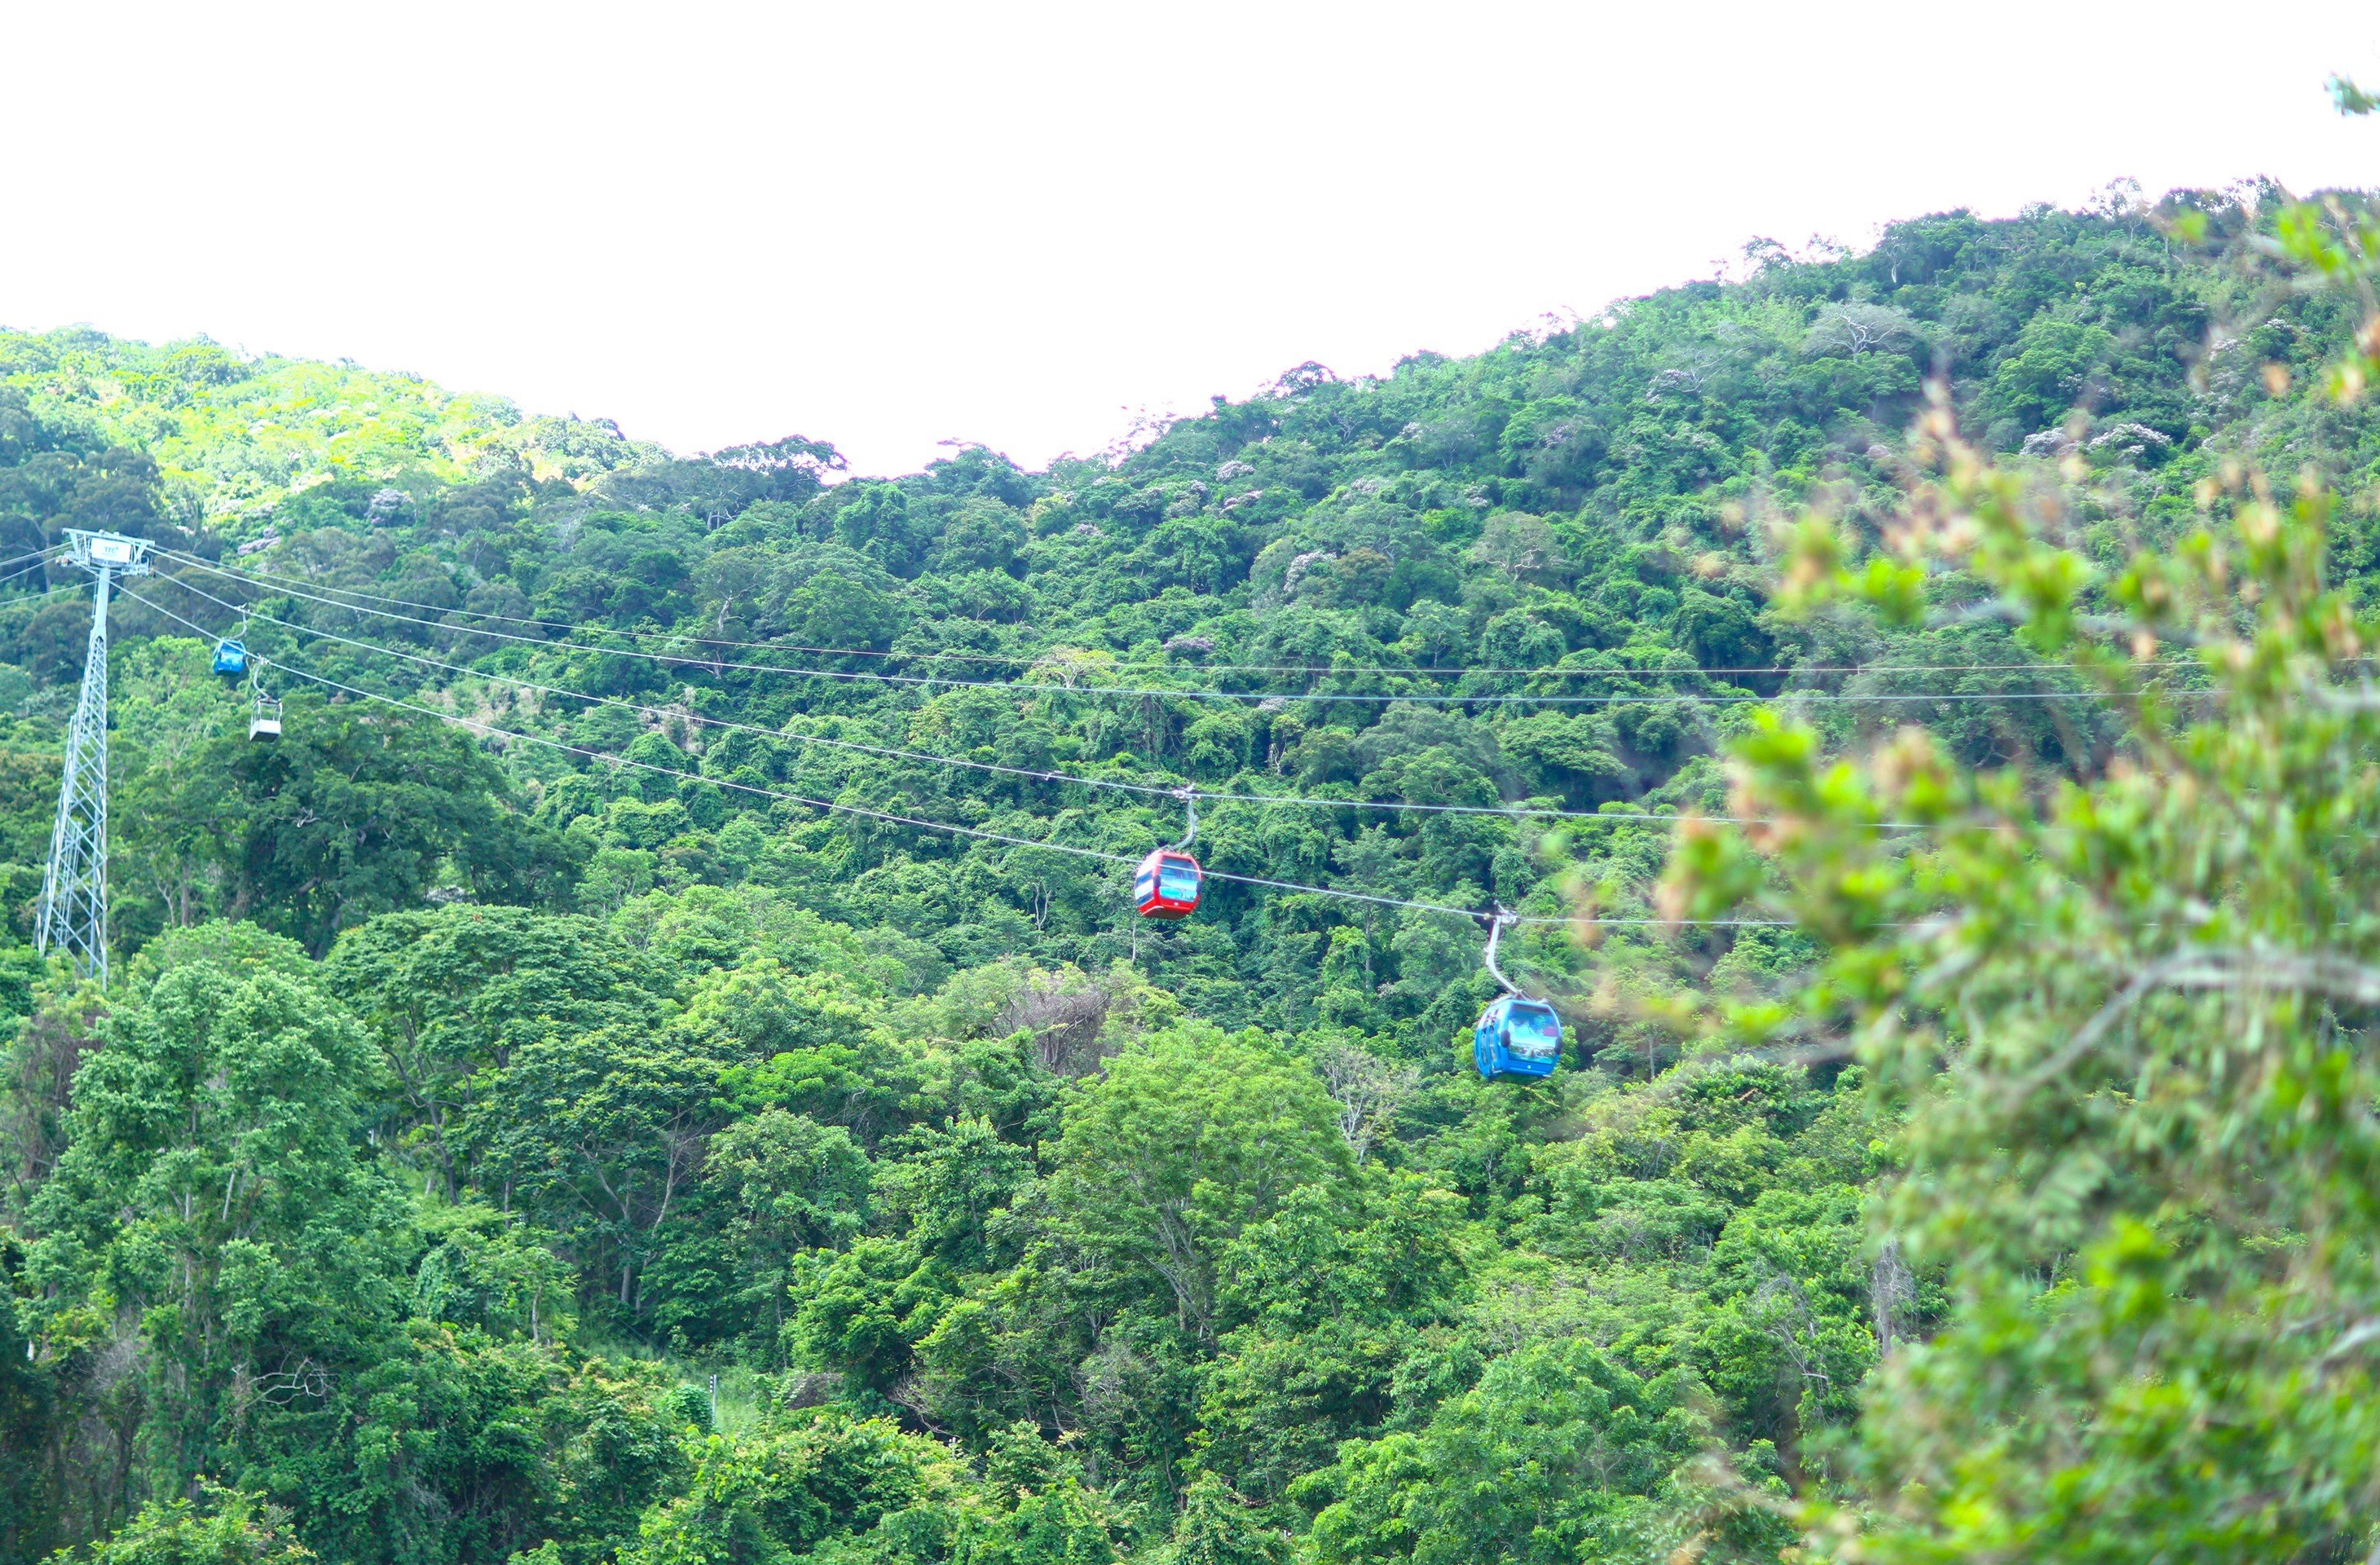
1517 1037
1167 885
231 658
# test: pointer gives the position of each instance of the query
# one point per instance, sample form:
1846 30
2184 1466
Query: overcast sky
892 225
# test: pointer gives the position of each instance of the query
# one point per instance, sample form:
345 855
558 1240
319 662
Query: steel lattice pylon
74 892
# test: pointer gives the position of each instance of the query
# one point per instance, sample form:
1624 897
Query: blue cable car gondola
1515 1035
1168 883
231 657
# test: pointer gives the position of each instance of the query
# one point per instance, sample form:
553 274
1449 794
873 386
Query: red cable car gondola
1169 882
1167 885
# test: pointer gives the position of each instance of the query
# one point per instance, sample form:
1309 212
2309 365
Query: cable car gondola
265 714
231 657
1168 883
1515 1035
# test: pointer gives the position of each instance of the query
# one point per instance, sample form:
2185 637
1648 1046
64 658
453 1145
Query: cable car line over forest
1516 1037
1035 775
253 575
554 1021
1417 698
40 557
892 817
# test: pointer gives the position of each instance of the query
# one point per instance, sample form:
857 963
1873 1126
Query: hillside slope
234 438
500 1081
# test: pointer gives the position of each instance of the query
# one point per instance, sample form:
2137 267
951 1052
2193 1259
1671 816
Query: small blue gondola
231 658
1516 1037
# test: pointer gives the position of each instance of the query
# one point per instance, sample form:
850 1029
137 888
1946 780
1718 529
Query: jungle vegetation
553 1140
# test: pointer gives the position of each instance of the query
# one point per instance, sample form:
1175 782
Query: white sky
887 224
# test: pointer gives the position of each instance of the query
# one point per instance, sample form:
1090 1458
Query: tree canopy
659 1062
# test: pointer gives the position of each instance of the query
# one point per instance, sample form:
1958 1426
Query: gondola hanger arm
1496 919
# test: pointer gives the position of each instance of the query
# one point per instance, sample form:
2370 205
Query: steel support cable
35 598
1030 773
39 562
39 555
891 817
1306 670
1424 698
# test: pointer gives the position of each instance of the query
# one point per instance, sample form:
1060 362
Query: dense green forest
565 1100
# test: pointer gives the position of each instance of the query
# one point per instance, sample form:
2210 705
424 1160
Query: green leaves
222 1527
355 812
2121 1010
1190 1138
791 1488
1546 1460
778 1185
1326 1301
216 1217
451 995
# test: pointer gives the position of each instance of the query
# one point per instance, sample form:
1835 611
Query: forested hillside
659 1063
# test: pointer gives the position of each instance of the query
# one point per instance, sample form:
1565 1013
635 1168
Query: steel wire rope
51 592
1031 774
892 817
1421 697
1641 670
41 553
40 558
39 561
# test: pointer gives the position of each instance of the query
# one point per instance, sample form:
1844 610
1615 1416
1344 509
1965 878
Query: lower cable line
40 561
892 817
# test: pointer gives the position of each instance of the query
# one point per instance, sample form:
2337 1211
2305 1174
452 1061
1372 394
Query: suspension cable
40 554
891 817
1029 773
1641 670
39 562
1423 697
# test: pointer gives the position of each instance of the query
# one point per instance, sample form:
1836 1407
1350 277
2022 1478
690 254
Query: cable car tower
74 892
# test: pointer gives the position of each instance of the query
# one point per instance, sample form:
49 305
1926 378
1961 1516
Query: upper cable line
1051 687
893 818
1011 660
1037 774
39 560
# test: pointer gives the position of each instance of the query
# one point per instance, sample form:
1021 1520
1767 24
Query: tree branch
2330 974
